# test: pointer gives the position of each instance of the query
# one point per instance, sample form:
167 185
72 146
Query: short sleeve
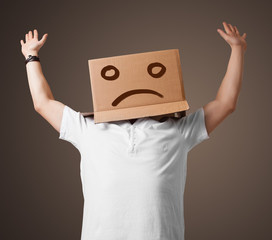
193 128
72 126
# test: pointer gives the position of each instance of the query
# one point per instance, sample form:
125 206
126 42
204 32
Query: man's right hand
32 45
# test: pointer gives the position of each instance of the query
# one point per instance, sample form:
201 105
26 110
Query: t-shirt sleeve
193 128
72 126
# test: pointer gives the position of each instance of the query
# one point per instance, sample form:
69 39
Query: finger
30 34
222 33
231 28
35 34
22 42
26 37
44 37
227 29
244 36
236 30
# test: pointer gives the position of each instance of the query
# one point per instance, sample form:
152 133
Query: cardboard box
137 85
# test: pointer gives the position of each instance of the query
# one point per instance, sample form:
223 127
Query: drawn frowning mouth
132 92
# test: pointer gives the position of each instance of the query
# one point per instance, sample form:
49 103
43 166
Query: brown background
228 190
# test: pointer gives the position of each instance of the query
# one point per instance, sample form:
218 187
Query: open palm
232 36
32 43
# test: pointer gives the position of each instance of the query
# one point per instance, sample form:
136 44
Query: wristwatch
32 58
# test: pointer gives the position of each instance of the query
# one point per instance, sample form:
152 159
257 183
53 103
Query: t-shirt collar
144 122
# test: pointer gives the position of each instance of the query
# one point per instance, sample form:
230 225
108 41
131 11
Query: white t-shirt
133 175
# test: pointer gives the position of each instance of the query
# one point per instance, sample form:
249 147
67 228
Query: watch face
32 58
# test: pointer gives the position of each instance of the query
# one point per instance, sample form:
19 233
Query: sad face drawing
126 94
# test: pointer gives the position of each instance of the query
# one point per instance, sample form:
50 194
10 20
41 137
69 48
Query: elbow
232 108
36 107
228 107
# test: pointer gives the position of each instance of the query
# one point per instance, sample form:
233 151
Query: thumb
44 38
223 35
244 36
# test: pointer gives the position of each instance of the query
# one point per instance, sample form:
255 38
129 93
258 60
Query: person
133 172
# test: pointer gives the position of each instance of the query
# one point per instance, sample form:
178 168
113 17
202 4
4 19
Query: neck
160 117
157 117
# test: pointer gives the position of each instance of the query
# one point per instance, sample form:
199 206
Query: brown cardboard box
137 85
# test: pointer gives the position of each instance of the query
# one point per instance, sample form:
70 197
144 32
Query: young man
134 171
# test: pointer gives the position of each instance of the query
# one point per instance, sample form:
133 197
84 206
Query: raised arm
227 96
43 99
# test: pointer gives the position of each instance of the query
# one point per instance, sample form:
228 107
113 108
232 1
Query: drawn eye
153 65
109 68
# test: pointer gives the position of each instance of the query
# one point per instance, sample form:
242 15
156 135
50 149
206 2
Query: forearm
231 85
39 88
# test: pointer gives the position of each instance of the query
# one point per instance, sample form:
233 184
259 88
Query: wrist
239 48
